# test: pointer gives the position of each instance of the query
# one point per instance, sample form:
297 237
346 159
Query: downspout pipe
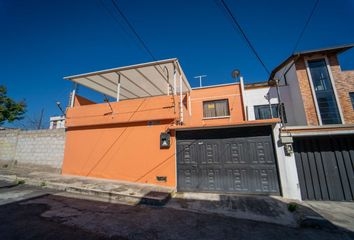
243 98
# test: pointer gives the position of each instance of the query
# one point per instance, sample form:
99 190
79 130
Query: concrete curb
303 219
107 195
154 198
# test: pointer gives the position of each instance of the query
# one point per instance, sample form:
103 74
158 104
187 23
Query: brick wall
344 81
40 147
305 89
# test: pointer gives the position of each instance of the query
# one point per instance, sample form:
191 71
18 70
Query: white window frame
307 59
216 117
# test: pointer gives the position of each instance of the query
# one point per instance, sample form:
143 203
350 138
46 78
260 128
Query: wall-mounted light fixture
165 140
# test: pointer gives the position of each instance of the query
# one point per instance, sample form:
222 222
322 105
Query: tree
10 110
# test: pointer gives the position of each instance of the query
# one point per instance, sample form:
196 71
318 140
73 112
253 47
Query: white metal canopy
163 77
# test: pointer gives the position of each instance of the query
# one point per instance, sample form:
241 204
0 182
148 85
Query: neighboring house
316 88
161 131
57 122
225 138
319 109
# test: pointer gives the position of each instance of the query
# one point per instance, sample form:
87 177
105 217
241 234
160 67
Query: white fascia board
110 70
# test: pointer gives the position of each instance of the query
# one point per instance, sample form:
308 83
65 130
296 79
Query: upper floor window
323 89
217 108
269 111
352 98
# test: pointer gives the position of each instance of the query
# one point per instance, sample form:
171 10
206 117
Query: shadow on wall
271 94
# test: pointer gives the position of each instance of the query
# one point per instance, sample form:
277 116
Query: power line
244 35
133 30
300 36
284 71
305 26
114 17
144 45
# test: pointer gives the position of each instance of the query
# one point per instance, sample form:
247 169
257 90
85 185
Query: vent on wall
161 178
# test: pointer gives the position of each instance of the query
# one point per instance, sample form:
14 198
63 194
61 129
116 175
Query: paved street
35 213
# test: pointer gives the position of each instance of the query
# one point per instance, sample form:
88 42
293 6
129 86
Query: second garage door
227 160
325 166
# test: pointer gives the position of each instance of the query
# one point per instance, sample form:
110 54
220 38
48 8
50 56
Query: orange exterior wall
129 152
80 101
230 92
122 145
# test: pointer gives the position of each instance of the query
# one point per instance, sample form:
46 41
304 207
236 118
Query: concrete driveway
338 213
34 213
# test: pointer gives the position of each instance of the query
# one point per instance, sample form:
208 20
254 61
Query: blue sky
43 41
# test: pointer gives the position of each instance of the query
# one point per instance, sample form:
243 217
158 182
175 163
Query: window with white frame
269 111
324 92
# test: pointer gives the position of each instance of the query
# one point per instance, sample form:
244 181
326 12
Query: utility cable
244 35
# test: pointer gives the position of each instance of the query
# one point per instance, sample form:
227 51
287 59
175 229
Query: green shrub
292 207
21 181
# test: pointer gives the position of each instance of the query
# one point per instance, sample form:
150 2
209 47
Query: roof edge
336 49
109 70
216 85
261 84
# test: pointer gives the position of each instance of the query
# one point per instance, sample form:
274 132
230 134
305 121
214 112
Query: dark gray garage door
325 167
227 160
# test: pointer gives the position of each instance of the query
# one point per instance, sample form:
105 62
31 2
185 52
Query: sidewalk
130 193
268 209
257 208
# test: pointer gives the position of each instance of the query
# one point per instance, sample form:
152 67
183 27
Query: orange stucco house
161 131
222 139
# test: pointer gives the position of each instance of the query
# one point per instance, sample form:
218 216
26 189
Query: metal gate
227 160
325 167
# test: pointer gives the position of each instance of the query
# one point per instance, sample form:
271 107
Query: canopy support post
180 99
118 88
169 90
73 93
174 80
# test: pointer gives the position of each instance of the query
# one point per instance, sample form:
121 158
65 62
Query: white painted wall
259 96
291 96
289 180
